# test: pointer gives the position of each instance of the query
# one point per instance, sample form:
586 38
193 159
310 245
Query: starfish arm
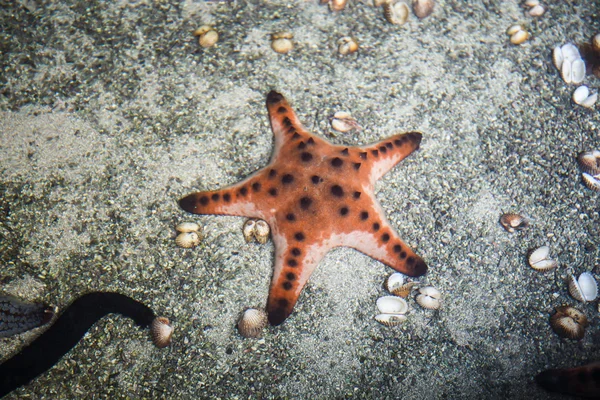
295 260
383 156
238 199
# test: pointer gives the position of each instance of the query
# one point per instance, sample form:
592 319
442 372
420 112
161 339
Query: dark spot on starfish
287 178
344 211
376 226
256 186
291 276
296 135
385 237
383 149
364 215
337 162
397 248
292 263
345 152
274 97
356 195
291 130
389 145
272 173
277 316
244 191
299 236
337 191
305 202
410 261
273 192
357 166
375 153
399 142
402 255
286 122
363 155
227 197
215 197
316 179
296 251
204 200
282 110
290 217
306 156
287 285
283 302
311 141
301 145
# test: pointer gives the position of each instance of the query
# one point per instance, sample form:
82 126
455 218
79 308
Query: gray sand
112 112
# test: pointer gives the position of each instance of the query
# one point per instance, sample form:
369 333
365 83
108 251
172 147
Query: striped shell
540 261
589 162
187 227
396 13
513 222
249 229
252 322
404 290
429 297
591 182
161 331
394 281
569 322
583 289
262 231
187 240
390 319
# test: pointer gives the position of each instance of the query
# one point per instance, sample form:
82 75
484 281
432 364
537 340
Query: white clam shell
540 261
577 71
187 240
519 37
580 94
390 319
431 292
187 227
262 231
583 289
557 57
532 3
537 11
396 13
392 305
590 101
566 71
252 323
429 297
394 281
570 52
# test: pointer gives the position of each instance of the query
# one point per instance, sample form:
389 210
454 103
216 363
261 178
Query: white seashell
262 231
252 322
532 3
347 45
591 182
429 297
281 42
537 11
396 13
577 71
589 162
590 101
557 57
519 37
249 229
513 29
344 122
187 240
161 331
583 289
570 52
566 71
540 261
187 227
390 319
394 281
431 292
580 94
392 305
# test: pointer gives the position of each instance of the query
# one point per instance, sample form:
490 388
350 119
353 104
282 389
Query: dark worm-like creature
63 335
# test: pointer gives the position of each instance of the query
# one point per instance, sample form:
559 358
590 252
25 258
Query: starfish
315 196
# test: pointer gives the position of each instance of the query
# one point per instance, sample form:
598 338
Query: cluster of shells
189 235
256 229
589 164
207 36
567 59
397 11
517 32
393 309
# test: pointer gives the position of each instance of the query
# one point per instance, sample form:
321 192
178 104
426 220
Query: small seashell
514 29
569 322
394 281
390 319
261 231
531 3
377 3
187 227
423 8
557 57
580 94
252 322
591 182
392 305
281 42
537 11
249 229
566 71
347 45
590 101
337 5
519 37
161 332
570 52
187 240
403 290
577 71
344 122
513 222
207 36
396 13
589 162
429 297
538 259
583 289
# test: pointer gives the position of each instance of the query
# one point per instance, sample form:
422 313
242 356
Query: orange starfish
315 196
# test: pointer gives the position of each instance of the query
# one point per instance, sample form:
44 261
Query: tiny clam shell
583 289
582 97
537 11
207 36
396 13
392 305
187 240
337 5
531 3
161 331
252 322
187 227
347 45
262 231
577 71
281 42
423 8
557 57
569 322
519 37
394 281
538 259
589 162
403 290
249 229
513 222
570 52
390 319
343 122
429 297
591 182
566 71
